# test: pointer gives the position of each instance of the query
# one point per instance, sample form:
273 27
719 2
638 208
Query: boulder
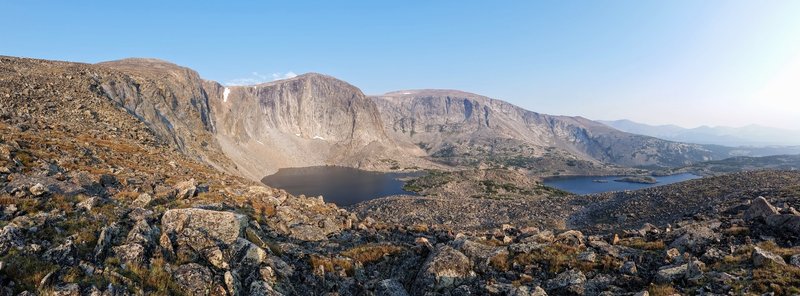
587 256
695 269
307 232
88 204
570 282
142 201
142 233
390 287
670 274
571 238
202 229
66 290
508 290
104 241
539 237
760 208
795 260
130 253
696 237
186 189
10 237
38 189
445 268
63 254
785 222
763 258
261 288
629 268
193 278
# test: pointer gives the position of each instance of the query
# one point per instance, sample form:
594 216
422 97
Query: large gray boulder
763 258
670 274
201 229
760 208
570 282
445 268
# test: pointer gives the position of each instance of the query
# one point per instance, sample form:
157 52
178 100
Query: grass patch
153 279
371 252
642 244
662 290
332 264
27 270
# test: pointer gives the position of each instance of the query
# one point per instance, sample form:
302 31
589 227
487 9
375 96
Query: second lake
594 184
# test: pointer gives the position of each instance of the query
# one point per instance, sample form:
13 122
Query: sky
683 62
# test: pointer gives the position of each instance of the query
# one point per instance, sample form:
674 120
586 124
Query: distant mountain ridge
315 119
751 135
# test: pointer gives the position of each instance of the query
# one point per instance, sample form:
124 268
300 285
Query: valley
139 177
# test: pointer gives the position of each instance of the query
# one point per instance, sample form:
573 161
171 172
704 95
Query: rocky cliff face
454 124
169 99
308 120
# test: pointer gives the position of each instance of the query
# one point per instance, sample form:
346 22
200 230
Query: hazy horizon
687 63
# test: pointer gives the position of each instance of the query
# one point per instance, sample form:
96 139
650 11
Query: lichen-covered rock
142 201
10 237
696 237
670 274
307 232
763 258
202 229
38 189
445 268
194 279
760 208
186 189
571 238
130 253
390 287
104 241
570 282
63 254
261 288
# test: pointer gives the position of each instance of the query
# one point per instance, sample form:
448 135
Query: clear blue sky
683 62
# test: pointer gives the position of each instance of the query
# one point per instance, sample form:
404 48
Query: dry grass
26 270
332 264
641 244
662 290
154 279
500 261
736 231
555 257
371 252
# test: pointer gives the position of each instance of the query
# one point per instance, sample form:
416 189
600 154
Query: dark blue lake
340 185
590 184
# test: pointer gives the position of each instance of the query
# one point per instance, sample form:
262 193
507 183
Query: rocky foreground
76 220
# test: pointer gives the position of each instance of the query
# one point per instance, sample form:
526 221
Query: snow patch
318 138
406 93
297 135
225 94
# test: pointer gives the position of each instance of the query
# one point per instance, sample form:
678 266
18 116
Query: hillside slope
455 126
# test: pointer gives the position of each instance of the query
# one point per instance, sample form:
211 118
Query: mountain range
314 119
749 136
